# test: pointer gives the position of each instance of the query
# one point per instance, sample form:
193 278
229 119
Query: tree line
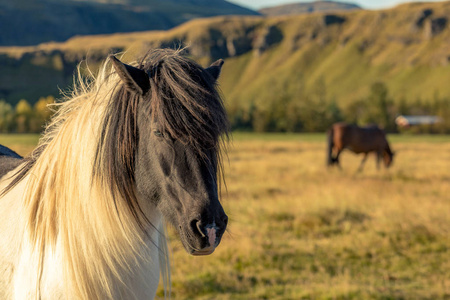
24 118
314 112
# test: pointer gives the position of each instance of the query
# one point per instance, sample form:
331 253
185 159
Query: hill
308 7
30 22
274 65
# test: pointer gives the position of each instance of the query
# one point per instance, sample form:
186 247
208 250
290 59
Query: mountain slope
308 7
271 59
30 22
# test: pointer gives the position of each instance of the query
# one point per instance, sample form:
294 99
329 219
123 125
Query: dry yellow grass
300 231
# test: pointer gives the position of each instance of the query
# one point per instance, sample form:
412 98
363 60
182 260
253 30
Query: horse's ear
134 79
214 68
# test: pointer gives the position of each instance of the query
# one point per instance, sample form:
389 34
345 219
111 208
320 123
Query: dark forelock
184 100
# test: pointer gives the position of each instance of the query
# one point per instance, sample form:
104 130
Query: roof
417 120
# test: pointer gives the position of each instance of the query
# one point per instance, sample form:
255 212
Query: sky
367 4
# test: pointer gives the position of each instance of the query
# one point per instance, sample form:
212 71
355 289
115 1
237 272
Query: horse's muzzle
211 234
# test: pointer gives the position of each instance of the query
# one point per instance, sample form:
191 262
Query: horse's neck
139 280
144 278
138 277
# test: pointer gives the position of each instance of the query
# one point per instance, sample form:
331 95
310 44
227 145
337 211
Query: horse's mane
80 179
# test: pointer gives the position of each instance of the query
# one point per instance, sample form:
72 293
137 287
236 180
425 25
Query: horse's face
184 187
173 176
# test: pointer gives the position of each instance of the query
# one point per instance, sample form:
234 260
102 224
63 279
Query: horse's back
9 160
342 134
5 151
359 139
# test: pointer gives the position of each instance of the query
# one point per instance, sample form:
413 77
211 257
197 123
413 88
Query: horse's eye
157 133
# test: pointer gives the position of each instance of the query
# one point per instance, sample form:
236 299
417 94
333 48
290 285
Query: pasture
298 230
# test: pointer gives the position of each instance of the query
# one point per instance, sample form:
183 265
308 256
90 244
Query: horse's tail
330 159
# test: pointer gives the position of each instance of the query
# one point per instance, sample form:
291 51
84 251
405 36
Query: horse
139 144
358 140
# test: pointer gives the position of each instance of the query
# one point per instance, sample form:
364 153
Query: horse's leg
361 165
336 160
379 154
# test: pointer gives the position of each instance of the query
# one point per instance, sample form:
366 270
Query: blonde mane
69 205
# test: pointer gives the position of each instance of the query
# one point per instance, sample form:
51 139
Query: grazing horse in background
358 140
82 216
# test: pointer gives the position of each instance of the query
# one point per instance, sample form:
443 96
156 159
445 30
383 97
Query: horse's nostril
196 226
225 220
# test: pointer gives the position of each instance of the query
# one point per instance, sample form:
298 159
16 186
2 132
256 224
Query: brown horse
358 140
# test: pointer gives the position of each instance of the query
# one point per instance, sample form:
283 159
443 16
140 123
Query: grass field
300 231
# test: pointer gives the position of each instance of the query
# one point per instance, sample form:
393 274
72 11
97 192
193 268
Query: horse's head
388 158
180 120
